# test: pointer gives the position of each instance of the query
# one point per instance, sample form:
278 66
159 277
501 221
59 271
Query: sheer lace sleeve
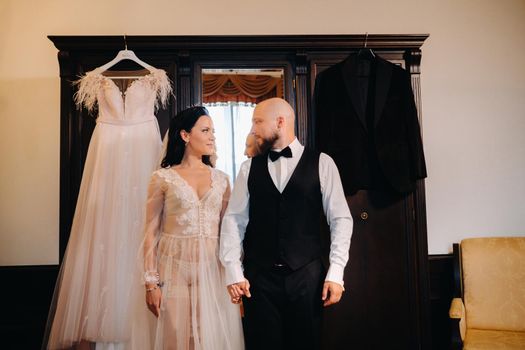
225 197
153 221
88 87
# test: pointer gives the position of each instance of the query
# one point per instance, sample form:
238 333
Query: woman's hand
237 290
153 299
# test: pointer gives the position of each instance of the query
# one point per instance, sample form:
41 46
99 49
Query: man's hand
237 290
332 293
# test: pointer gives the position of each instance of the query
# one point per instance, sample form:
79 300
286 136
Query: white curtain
232 122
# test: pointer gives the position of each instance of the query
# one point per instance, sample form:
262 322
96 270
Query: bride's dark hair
185 120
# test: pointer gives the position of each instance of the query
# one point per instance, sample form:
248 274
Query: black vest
284 227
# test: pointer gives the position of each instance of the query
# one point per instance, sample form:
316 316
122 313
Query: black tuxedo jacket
364 135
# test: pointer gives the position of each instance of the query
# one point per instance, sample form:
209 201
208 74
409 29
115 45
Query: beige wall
473 91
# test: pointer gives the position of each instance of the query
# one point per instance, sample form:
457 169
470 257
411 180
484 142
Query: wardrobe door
379 309
375 311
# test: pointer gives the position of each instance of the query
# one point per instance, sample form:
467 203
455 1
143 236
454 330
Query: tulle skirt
98 281
196 311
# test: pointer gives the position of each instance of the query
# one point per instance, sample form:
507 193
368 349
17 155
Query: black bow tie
286 152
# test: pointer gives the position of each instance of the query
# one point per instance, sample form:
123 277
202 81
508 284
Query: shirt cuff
234 274
335 274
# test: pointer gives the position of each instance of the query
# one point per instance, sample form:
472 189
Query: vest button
364 215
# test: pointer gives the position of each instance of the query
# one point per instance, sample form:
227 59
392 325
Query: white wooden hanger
124 55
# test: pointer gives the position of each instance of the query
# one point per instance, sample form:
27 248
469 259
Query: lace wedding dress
196 312
95 290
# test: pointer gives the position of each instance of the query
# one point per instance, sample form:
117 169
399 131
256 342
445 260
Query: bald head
273 123
276 107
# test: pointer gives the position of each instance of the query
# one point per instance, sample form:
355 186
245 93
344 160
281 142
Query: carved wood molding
239 42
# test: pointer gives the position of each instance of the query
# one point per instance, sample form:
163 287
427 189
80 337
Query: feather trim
161 84
90 84
88 88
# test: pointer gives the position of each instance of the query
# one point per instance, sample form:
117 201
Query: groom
273 223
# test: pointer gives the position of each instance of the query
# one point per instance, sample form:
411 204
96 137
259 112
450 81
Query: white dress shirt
335 208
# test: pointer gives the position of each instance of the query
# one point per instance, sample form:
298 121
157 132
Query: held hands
332 293
153 299
237 290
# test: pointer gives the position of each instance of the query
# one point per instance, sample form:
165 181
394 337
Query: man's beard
268 143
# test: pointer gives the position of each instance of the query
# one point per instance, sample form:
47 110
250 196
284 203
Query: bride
183 277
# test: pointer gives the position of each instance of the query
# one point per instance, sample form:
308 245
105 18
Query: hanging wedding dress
98 280
195 312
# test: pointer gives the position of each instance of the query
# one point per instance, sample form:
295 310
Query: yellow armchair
488 312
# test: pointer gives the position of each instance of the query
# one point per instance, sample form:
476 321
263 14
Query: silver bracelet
151 277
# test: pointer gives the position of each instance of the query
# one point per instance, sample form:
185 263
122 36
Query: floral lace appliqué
199 217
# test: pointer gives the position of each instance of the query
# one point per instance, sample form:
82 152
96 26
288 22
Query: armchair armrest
458 326
457 309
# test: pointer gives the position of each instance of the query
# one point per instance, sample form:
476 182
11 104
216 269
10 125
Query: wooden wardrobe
383 308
